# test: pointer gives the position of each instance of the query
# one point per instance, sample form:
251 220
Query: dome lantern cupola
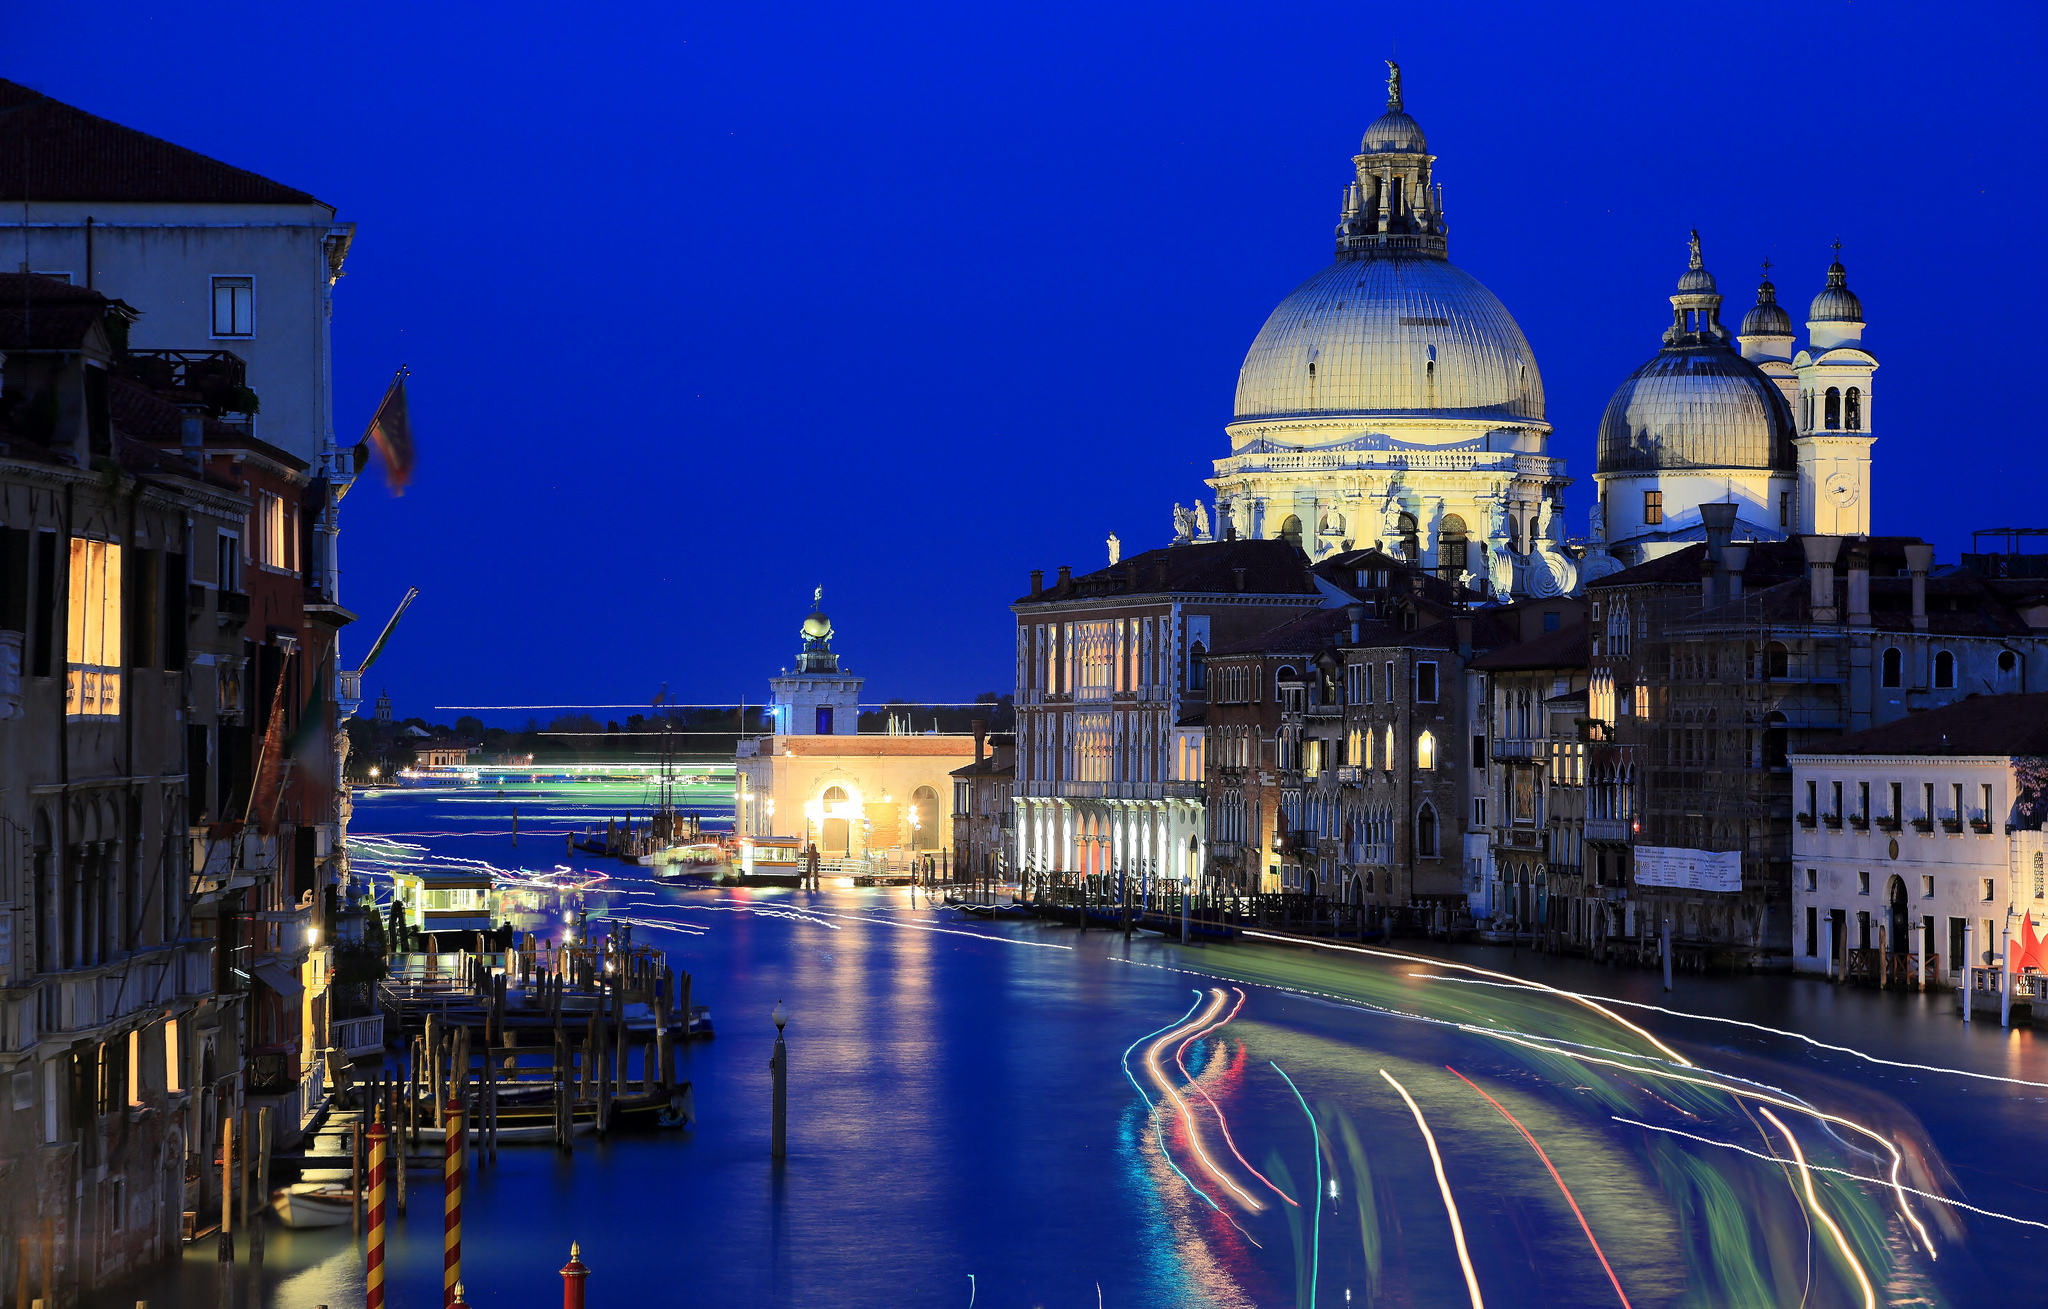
1392 206
1836 315
817 656
1696 308
1766 328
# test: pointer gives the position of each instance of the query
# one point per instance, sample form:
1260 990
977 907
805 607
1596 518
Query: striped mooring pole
374 1276
451 1180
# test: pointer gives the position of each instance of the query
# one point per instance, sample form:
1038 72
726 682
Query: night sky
707 305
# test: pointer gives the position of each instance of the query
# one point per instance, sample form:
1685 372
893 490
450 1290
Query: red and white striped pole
374 1278
451 1180
574 1274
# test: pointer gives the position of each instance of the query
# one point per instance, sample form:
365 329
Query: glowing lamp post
911 811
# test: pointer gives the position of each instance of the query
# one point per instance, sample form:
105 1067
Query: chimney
1066 584
1462 624
1737 559
1919 558
1707 579
1237 576
1820 575
192 439
1130 574
1159 574
979 726
1859 584
1719 520
1037 583
1356 613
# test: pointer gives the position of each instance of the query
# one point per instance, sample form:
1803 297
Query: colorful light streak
1180 1058
1152 1109
1825 1168
1813 1202
1315 1258
1443 1184
1576 1213
1194 1137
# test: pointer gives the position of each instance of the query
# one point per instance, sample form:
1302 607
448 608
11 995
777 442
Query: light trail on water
1443 1184
1165 1084
1180 1058
1153 1109
1530 1138
1813 1201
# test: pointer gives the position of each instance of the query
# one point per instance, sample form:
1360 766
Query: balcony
1350 772
233 607
10 675
1608 829
1511 749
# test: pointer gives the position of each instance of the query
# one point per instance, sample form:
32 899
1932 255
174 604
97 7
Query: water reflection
1022 1113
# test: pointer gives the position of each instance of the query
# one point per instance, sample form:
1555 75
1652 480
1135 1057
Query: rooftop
1979 725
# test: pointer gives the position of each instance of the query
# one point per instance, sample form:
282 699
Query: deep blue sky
709 304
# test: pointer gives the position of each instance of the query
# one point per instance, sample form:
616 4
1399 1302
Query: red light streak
1180 1058
1583 1224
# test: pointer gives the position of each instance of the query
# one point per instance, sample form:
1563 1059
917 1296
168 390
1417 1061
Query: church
1391 401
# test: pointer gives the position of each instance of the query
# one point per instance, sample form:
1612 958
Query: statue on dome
1393 86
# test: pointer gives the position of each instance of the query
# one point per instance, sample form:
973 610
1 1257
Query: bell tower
1834 411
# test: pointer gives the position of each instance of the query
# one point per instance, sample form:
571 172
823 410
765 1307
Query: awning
277 977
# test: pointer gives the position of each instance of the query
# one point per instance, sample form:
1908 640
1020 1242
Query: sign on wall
1688 870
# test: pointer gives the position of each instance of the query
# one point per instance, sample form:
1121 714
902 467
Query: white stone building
1922 830
1742 420
814 777
1392 400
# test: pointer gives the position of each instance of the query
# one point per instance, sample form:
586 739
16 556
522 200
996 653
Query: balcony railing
1504 748
1607 829
356 1037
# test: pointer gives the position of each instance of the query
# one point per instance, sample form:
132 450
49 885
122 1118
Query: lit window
271 531
234 306
1653 508
1425 751
92 687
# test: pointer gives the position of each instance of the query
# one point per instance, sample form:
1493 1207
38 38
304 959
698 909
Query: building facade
982 809
1919 836
855 797
1112 684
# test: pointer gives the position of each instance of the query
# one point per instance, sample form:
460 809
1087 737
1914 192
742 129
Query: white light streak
1813 1202
1443 1184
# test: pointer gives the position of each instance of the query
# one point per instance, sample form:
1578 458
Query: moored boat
313 1204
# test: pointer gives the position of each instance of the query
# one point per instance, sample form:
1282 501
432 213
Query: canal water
1013 1114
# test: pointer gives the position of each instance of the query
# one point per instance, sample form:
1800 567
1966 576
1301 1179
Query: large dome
1697 407
1391 336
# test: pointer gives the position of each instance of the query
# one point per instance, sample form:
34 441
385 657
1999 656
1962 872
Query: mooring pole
373 1278
574 1274
778 1064
451 1205
227 1208
1665 933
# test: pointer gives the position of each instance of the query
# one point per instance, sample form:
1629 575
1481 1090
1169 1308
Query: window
1831 407
1852 410
1944 670
1863 801
1653 508
1927 802
1813 879
1812 931
1990 892
1425 751
1552 620
1425 833
1290 530
1784 509
273 531
1835 790
1813 800
1893 666
1450 541
1479 752
1425 682
227 573
172 1082
1987 804
824 720
234 306
1388 762
1898 810
92 687
1479 812
1198 667
1926 886
1863 883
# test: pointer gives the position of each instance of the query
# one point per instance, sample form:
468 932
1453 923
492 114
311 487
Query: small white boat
314 1204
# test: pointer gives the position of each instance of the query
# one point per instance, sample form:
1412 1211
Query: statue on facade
1201 522
1183 522
1116 550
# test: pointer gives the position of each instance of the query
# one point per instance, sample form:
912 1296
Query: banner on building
1688 870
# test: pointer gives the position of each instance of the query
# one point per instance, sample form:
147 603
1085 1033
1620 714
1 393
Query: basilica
1391 401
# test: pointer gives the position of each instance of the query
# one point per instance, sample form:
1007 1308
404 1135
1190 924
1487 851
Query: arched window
1425 832
1198 667
1944 669
1290 530
1387 760
1450 545
1411 547
2007 662
1425 750
1832 409
1777 660
1852 417
924 802
1893 666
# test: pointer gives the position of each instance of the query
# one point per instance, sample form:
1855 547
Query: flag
412 593
269 788
391 432
659 699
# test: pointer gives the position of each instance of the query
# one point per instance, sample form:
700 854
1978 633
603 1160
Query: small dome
1696 281
1393 130
1767 317
1697 407
1837 303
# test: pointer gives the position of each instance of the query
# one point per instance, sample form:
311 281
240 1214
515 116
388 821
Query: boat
655 1110
313 1204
